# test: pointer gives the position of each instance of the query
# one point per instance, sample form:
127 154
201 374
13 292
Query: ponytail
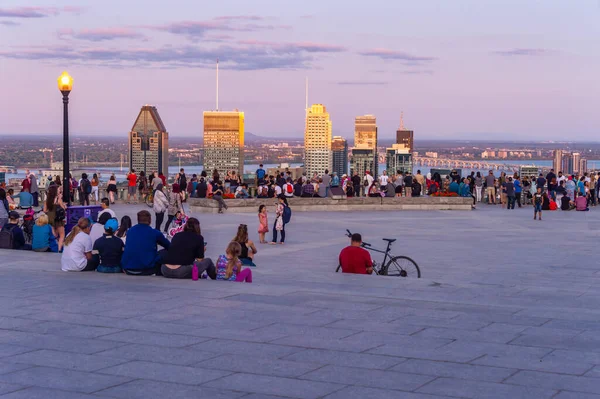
82 224
234 249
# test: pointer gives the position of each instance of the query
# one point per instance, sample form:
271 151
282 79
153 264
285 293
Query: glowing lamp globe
65 82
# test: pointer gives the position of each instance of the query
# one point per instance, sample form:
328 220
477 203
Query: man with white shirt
105 203
383 181
288 188
367 182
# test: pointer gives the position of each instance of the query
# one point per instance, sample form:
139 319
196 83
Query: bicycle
149 198
397 266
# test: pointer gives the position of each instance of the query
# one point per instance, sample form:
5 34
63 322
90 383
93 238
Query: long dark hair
125 225
282 197
242 234
193 225
51 197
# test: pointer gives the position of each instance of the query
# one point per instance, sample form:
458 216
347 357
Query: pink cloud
394 55
101 34
532 52
38 12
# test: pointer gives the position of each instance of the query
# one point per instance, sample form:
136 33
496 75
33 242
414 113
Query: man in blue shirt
260 175
141 256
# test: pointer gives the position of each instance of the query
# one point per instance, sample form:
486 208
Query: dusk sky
476 69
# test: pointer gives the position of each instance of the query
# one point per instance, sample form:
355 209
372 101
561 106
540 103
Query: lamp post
65 85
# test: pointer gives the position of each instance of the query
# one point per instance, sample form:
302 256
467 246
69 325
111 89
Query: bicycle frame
386 253
368 247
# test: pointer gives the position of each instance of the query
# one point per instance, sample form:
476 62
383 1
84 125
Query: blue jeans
275 232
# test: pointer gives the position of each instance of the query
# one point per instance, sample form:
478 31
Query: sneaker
204 275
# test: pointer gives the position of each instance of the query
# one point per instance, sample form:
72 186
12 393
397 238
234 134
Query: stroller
28 222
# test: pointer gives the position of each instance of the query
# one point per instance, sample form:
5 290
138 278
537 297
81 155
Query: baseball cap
111 224
13 215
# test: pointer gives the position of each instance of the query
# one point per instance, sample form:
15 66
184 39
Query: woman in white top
77 253
161 204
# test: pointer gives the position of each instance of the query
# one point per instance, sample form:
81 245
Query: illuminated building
364 153
224 142
317 141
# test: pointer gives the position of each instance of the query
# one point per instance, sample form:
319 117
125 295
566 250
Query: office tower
567 163
362 161
224 142
406 137
398 158
317 141
339 149
583 165
149 143
557 164
576 162
364 154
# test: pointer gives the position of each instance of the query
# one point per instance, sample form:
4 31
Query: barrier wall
333 205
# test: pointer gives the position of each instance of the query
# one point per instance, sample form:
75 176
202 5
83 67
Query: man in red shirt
354 258
131 188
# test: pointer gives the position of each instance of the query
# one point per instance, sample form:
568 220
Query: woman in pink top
581 202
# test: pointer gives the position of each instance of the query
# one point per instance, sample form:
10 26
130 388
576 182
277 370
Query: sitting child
229 266
109 249
43 237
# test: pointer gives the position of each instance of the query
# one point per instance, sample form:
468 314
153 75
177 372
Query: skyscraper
149 143
339 148
405 137
317 141
576 162
583 165
567 163
398 158
558 157
224 142
364 154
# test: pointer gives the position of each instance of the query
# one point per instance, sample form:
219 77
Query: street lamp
65 85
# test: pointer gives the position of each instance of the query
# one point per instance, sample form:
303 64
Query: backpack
86 186
289 189
6 239
260 174
74 183
287 214
366 182
59 214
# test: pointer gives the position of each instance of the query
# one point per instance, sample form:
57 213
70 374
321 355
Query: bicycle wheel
149 200
402 266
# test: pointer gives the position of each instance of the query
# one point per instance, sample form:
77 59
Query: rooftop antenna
217 84
306 106
402 120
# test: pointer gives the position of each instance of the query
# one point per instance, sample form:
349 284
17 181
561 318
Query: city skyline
457 69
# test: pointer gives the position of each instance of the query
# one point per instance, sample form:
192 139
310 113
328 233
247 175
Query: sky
457 69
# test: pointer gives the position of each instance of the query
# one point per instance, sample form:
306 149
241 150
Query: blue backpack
287 214
260 174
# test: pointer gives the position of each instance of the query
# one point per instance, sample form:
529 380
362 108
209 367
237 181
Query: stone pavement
507 307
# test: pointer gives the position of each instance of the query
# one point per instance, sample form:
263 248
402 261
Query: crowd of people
111 246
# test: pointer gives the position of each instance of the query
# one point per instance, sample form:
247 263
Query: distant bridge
446 163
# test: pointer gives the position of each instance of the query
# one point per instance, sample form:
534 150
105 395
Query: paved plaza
508 307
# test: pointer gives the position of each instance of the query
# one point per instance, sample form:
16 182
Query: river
106 171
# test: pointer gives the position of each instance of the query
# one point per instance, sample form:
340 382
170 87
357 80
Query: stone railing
121 194
343 204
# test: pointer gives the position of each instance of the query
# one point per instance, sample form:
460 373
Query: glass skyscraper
149 143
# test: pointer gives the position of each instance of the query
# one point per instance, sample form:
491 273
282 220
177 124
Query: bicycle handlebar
366 244
349 233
